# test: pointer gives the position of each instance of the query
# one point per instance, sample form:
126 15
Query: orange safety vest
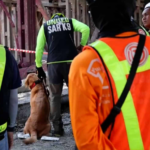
132 124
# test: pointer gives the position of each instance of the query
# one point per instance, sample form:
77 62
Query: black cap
91 1
108 12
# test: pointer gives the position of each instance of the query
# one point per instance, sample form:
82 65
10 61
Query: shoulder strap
117 108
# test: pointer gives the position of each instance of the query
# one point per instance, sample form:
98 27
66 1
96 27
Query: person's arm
83 28
13 108
41 41
85 90
15 83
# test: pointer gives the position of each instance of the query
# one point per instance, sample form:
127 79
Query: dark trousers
58 73
4 143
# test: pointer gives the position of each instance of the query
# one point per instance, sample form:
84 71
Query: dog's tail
31 140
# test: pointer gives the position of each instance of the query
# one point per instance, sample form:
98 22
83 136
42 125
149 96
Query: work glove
41 73
79 48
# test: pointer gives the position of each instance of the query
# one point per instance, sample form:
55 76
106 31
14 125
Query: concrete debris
23 136
47 138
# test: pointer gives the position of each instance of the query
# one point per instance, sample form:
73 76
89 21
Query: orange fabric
126 34
91 100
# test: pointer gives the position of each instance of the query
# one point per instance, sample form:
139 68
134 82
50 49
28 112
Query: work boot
57 129
57 133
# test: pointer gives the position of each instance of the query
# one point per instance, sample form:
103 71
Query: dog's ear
26 82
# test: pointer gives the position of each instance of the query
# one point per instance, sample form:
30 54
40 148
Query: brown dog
38 124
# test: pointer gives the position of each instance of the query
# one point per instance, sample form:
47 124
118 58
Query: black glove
41 73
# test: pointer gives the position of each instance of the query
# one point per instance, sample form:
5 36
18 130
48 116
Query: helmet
57 15
147 6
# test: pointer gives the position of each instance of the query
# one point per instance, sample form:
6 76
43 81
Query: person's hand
79 48
41 73
10 139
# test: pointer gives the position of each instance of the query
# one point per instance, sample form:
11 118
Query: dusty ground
65 143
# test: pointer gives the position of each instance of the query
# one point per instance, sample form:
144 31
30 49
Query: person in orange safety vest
104 75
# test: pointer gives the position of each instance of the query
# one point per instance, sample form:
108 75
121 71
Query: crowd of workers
108 81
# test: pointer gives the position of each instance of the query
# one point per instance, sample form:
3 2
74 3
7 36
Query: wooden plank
74 14
67 8
49 4
78 18
10 1
81 16
2 27
84 13
30 29
8 30
20 22
41 8
73 5
14 30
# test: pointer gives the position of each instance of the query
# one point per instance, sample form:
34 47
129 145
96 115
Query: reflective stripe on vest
2 69
145 31
128 108
2 63
126 66
3 127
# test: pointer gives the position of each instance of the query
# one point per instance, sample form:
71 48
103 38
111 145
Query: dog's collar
35 83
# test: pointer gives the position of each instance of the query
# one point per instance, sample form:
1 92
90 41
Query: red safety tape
25 51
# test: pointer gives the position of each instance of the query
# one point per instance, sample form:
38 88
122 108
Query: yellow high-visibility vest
2 70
